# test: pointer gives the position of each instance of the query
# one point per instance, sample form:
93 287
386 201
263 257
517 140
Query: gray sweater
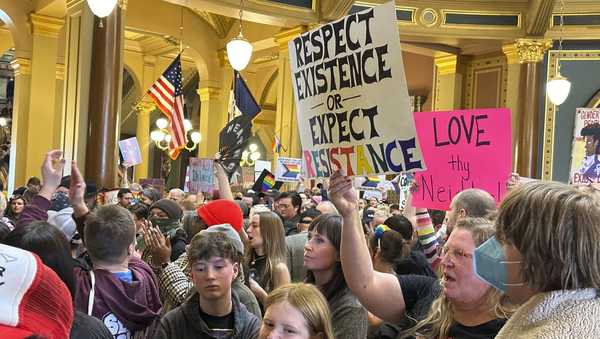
185 322
348 316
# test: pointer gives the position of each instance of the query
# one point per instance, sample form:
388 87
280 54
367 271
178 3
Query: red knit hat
33 299
222 211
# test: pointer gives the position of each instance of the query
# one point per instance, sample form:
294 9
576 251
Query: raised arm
379 292
222 181
420 218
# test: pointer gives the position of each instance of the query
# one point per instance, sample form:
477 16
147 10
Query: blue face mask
490 262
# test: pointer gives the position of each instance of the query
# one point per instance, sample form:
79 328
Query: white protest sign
130 150
352 101
288 169
259 166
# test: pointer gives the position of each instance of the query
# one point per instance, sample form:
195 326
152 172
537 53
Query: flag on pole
277 146
167 93
244 100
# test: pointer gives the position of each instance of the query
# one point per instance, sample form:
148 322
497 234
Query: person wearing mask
295 245
545 257
214 311
165 215
296 311
324 270
465 306
124 197
266 255
288 206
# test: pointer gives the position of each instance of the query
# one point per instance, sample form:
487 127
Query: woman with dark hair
53 248
149 196
15 207
324 269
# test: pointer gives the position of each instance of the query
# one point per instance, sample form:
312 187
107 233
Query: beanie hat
230 233
170 207
222 211
34 299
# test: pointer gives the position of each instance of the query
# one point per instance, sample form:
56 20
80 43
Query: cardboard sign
265 182
130 151
585 161
351 96
463 149
248 177
233 139
201 175
288 169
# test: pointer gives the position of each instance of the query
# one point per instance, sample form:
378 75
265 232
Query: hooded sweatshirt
124 307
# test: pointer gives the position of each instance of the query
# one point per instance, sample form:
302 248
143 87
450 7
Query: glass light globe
102 8
252 147
162 123
255 156
196 137
245 154
239 52
157 136
3 122
558 89
168 138
187 124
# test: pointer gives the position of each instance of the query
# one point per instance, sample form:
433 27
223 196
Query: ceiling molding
220 24
332 10
538 17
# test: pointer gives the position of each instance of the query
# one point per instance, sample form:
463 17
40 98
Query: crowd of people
323 262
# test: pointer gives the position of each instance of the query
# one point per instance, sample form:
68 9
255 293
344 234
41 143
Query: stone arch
15 15
137 84
267 85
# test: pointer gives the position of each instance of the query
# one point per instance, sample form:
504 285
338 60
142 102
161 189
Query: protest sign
157 183
585 164
352 102
402 185
463 149
369 183
288 169
130 151
259 166
201 175
265 182
233 139
248 177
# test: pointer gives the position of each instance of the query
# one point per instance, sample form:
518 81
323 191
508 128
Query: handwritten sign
130 151
463 149
288 169
585 160
352 102
201 175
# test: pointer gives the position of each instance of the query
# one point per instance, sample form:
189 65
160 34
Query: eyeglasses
456 254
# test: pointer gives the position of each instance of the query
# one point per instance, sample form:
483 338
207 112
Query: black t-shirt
483 331
220 327
258 267
419 292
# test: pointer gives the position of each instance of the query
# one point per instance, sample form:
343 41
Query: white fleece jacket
557 314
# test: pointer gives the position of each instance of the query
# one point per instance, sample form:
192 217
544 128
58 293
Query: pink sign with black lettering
463 149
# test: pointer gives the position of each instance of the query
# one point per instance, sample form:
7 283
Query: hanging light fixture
102 8
559 87
239 50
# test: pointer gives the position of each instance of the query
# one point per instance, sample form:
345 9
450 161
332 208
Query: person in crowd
166 215
295 245
15 207
379 217
266 255
34 184
124 197
465 306
35 302
288 208
214 311
140 214
176 194
395 209
53 249
545 257
324 269
473 203
189 204
296 311
373 202
192 225
149 196
326 207
4 230
438 219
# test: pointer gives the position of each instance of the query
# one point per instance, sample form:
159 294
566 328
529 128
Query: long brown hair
271 230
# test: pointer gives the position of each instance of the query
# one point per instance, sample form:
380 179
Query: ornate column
20 122
531 53
513 102
105 101
286 123
212 119
447 84
143 136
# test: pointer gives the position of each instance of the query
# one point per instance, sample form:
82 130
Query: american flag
167 93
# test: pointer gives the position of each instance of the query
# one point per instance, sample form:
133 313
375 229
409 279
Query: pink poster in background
463 149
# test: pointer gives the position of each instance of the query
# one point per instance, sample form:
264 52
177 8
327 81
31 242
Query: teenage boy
214 311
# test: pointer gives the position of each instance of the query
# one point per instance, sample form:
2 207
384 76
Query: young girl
266 255
324 269
13 210
296 311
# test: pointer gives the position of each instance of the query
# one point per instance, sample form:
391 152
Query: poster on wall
463 149
352 101
288 169
585 154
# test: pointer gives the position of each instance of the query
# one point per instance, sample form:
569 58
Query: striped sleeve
427 237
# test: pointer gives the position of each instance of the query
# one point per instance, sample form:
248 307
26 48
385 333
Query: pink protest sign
462 149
